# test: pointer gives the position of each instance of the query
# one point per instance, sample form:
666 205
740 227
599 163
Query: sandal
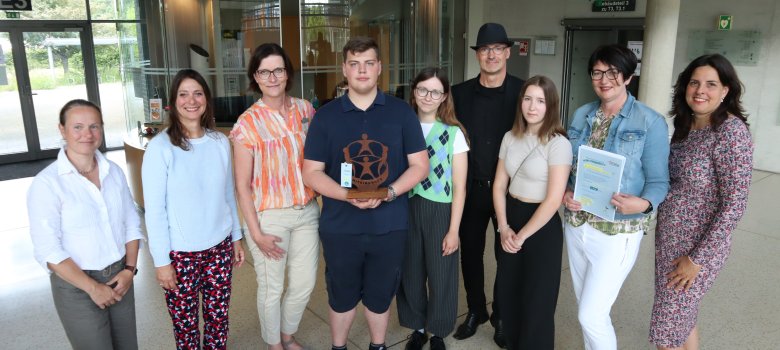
286 344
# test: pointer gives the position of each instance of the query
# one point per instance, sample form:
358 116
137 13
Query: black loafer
498 336
416 341
437 343
469 326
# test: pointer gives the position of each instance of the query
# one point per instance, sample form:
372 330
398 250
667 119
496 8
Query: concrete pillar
655 87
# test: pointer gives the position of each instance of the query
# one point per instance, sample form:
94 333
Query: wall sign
724 22
741 47
613 5
16 5
522 47
544 46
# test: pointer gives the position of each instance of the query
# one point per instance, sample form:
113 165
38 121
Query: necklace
86 172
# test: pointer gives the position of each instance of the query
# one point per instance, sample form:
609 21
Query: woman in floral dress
710 166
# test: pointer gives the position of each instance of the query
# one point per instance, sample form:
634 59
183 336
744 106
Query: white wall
762 82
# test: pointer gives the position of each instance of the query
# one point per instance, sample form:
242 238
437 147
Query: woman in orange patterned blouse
268 144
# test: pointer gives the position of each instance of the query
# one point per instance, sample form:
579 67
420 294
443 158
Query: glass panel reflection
56 71
56 9
12 134
411 35
113 9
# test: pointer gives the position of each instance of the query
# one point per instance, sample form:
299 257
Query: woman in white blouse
533 167
85 229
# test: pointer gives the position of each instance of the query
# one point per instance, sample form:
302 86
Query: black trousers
477 211
528 281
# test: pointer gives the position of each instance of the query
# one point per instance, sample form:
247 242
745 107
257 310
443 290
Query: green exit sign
9 14
724 22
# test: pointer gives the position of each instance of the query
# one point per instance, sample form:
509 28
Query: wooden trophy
369 168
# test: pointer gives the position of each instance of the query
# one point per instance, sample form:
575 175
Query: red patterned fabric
710 175
208 273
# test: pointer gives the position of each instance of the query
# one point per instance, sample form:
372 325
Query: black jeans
478 210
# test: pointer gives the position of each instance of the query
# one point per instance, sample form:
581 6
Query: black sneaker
416 341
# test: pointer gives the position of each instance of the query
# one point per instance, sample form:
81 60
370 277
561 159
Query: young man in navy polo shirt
363 239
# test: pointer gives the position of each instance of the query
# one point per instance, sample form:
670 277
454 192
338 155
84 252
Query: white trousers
599 265
301 242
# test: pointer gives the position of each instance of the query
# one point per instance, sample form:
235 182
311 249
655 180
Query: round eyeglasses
421 92
265 74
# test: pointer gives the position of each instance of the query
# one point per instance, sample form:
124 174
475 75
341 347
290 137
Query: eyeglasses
611 74
265 74
495 49
421 92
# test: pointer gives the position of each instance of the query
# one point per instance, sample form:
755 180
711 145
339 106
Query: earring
721 100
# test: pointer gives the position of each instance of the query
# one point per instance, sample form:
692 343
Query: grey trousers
428 295
86 325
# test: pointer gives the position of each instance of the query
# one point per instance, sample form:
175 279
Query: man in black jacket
486 105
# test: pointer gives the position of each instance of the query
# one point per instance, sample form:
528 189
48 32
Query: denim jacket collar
625 111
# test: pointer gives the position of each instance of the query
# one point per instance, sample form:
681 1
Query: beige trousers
300 239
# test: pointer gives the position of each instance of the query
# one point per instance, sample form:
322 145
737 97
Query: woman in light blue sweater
191 217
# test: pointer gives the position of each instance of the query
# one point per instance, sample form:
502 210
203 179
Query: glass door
12 128
44 67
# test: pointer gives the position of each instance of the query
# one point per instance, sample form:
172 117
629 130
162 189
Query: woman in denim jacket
601 252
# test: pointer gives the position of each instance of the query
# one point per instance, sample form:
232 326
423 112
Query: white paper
598 178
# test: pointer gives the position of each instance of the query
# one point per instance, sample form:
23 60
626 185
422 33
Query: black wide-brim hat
492 33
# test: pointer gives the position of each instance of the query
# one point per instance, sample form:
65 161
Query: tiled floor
741 312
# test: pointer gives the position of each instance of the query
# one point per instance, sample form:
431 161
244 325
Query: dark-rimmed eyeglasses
611 74
421 92
495 49
265 74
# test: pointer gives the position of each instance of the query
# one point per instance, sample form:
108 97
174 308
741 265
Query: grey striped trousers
432 305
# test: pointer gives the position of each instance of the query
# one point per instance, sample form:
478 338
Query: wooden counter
135 147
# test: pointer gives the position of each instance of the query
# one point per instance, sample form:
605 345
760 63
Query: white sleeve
230 191
154 176
460 145
43 209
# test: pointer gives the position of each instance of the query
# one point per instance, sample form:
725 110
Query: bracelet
132 269
501 228
393 195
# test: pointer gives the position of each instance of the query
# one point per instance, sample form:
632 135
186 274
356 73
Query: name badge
346 175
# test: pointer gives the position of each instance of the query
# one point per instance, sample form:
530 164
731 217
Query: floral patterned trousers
207 272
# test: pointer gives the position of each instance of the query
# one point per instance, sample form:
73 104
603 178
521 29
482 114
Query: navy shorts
363 267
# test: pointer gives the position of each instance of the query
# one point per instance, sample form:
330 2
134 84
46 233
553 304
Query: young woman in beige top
533 167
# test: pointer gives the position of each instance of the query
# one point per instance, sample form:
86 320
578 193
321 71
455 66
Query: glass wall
67 49
411 35
217 38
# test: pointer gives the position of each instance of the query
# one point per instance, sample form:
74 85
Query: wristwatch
649 207
132 269
393 195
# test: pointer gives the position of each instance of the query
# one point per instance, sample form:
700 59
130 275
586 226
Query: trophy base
379 193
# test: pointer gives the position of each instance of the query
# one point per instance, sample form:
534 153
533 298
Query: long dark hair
731 105
446 111
176 131
260 53
551 125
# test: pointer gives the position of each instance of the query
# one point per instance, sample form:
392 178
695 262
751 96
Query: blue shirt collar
347 105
